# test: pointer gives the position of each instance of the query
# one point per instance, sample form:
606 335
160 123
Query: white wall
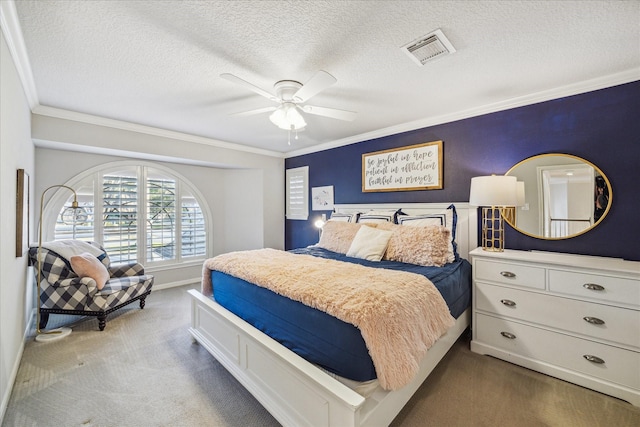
242 228
16 288
248 175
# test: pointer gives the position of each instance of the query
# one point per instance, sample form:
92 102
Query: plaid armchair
63 292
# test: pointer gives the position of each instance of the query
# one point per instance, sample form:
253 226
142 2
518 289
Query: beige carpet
144 370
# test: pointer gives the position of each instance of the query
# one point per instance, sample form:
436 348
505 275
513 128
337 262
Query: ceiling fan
291 95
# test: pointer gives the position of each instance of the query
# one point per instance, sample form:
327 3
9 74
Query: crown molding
90 149
13 35
534 98
149 130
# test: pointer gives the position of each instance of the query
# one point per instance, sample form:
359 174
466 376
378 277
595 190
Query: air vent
429 47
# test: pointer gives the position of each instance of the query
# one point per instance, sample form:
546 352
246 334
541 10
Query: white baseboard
14 374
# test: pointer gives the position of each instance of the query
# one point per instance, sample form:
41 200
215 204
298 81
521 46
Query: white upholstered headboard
467 225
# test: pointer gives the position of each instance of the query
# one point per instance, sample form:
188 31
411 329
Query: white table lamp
493 193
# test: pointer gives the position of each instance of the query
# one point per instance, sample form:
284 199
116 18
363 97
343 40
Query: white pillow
344 217
377 217
444 218
369 243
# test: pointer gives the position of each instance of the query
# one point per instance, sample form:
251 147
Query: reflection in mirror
564 196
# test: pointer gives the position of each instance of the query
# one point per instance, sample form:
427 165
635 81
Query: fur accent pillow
370 243
447 218
428 246
87 265
337 235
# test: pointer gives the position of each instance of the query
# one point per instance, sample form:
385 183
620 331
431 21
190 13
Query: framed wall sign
415 167
22 212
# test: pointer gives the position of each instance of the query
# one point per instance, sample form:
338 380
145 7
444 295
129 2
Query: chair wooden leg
44 318
102 322
142 302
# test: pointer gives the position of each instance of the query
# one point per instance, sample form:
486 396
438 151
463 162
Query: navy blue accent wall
602 127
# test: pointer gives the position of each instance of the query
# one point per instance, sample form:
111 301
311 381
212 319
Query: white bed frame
296 392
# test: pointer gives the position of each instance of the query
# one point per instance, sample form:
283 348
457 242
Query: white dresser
573 317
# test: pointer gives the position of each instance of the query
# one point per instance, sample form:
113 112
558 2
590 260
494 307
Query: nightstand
573 317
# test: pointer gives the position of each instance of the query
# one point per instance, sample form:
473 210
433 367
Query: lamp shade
278 117
288 117
494 190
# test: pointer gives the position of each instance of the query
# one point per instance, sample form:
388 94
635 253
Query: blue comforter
318 337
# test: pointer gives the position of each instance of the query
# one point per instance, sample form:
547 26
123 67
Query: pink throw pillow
87 265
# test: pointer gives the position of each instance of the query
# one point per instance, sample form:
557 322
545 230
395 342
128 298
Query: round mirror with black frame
564 196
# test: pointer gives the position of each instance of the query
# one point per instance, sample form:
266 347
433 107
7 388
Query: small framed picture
322 198
22 212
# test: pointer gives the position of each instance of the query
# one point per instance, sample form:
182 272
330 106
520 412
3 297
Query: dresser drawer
507 273
594 286
607 362
602 322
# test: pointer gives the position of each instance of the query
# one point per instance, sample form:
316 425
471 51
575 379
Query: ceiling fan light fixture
291 95
287 117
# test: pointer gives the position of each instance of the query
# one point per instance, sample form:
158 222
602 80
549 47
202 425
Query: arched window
138 212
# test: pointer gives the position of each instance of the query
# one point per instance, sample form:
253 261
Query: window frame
291 212
54 204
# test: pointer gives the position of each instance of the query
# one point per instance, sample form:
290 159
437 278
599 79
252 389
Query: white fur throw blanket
68 248
399 314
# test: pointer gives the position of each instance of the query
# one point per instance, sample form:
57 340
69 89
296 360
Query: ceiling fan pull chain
289 138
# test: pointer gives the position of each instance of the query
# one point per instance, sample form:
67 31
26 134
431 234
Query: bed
298 392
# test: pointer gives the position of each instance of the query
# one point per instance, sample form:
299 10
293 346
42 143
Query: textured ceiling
158 63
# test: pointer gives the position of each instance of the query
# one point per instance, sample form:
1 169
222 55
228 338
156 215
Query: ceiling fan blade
256 89
319 82
334 113
253 112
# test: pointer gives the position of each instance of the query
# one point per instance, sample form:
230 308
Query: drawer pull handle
593 287
510 336
508 302
593 359
593 320
508 274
